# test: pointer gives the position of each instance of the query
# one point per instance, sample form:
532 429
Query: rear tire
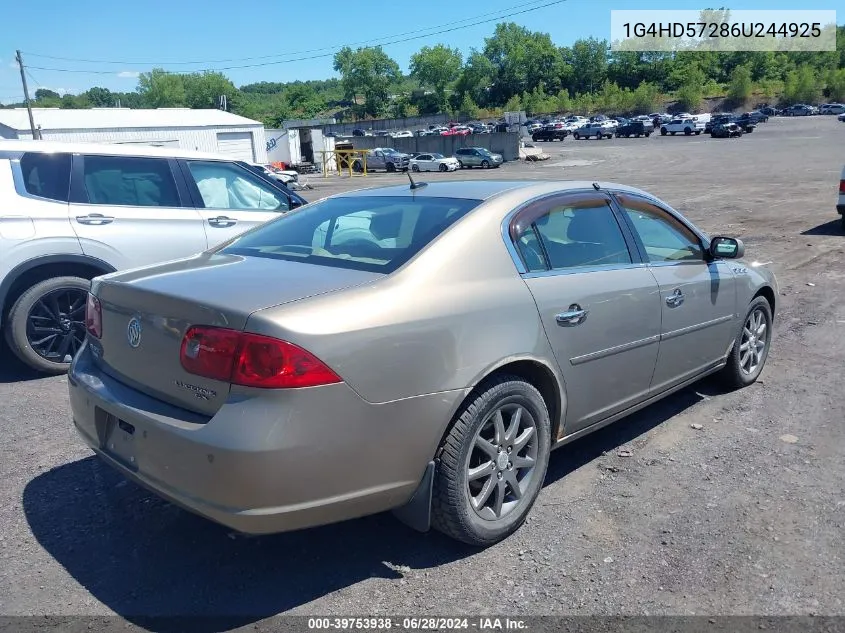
459 509
415 168
576 136
20 335
663 131
741 369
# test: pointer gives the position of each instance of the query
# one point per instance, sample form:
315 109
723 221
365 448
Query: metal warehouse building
204 130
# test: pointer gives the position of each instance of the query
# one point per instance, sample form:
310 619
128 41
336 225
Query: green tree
836 85
436 67
588 58
468 107
646 98
522 60
203 90
367 72
514 104
161 89
100 97
741 86
476 79
44 94
801 86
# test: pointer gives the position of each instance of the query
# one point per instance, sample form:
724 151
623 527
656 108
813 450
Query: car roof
114 149
486 189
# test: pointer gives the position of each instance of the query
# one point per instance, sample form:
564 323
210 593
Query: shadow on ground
12 369
834 227
143 557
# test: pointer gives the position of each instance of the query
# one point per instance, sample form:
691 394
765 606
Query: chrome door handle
222 221
95 219
675 299
574 316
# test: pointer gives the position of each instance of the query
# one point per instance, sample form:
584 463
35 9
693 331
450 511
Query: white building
204 130
294 146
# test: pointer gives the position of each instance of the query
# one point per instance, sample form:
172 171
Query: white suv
72 211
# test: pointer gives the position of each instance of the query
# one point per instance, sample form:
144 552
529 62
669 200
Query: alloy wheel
55 327
502 461
752 346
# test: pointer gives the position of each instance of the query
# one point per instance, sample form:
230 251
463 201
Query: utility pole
35 134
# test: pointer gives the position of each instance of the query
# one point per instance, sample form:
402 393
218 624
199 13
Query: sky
123 39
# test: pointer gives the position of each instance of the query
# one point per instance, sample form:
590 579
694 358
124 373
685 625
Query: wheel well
537 375
37 274
769 295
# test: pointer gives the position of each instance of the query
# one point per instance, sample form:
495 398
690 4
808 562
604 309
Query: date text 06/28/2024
416 624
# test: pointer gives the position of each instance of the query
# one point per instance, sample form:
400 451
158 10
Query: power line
302 52
310 57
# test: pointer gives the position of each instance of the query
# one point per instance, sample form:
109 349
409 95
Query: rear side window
130 181
372 233
46 175
227 186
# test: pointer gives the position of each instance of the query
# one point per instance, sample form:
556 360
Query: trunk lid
146 313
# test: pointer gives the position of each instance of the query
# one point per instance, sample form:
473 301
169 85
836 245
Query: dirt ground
742 516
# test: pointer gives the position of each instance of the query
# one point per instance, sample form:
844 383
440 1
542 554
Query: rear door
131 211
598 302
230 199
697 295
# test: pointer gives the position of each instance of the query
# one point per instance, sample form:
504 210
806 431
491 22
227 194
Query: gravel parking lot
743 515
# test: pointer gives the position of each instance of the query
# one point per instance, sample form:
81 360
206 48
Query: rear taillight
94 316
251 360
842 186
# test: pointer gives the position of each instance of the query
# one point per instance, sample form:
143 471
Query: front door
697 295
127 211
230 199
599 304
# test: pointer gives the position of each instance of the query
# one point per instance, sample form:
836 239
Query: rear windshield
371 233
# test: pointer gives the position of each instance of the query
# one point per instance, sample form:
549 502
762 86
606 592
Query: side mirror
726 248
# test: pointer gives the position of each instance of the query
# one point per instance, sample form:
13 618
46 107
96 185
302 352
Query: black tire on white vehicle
18 330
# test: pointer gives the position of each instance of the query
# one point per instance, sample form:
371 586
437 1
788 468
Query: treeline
515 69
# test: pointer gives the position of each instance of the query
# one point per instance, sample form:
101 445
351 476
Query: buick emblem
133 332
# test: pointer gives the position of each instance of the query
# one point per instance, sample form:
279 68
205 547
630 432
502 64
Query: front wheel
751 347
687 131
492 463
485 164
46 325
391 167
443 167
697 132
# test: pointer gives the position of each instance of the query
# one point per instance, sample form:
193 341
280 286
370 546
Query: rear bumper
265 463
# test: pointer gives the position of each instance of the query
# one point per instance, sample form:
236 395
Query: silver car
418 349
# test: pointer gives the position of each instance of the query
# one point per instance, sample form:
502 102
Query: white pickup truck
687 126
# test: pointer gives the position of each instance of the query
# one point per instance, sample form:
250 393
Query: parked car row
391 160
450 129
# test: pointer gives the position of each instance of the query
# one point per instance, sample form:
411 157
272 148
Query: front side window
664 237
373 233
227 186
129 181
46 175
574 235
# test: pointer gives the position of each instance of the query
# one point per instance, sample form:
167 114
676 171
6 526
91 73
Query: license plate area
117 438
